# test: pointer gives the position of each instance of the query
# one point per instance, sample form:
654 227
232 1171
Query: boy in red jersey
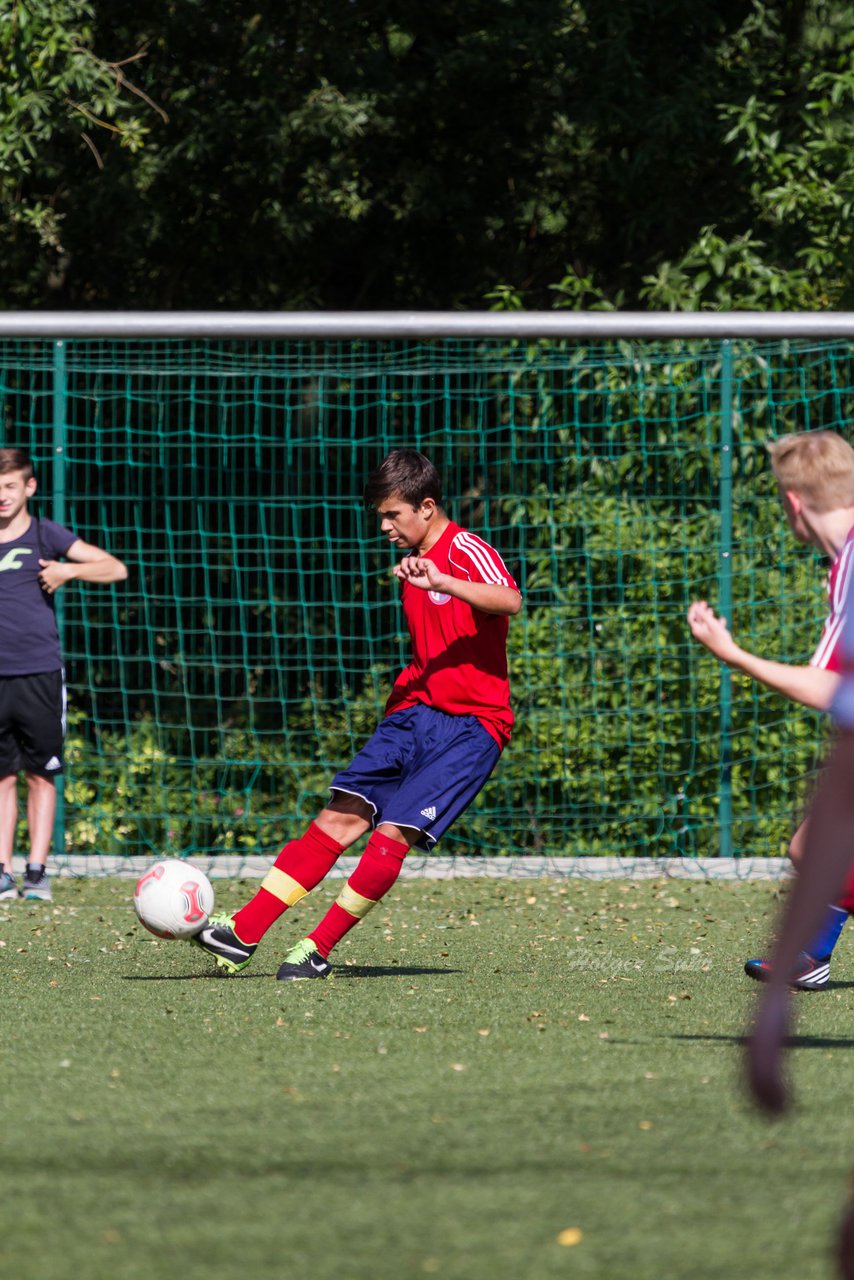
815 477
447 719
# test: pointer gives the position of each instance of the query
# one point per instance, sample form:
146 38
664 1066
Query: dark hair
16 460
408 473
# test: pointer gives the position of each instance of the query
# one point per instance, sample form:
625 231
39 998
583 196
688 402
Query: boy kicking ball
815 478
446 722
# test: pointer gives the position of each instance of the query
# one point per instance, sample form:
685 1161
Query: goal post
616 461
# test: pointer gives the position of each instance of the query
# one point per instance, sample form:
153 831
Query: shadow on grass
385 971
350 971
792 1042
193 977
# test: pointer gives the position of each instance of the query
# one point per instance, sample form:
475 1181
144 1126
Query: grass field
494 1063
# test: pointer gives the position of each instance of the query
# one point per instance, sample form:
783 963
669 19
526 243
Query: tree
388 155
56 94
789 245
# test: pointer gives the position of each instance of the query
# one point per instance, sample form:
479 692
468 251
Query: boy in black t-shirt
32 683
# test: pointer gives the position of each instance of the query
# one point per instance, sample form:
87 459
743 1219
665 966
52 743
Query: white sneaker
36 888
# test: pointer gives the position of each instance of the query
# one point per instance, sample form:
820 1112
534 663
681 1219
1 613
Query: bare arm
86 563
487 596
812 686
828 854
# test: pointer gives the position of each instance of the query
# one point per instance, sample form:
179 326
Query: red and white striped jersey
828 655
459 654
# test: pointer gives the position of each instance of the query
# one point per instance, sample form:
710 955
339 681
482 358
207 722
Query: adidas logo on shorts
429 813
53 763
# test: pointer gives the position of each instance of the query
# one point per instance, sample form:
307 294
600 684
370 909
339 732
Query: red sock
300 866
846 902
375 873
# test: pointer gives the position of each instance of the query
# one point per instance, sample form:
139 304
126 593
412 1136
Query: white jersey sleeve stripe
484 557
479 553
481 561
843 578
842 707
827 643
498 566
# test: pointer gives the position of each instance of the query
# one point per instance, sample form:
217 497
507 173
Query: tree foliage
396 155
55 94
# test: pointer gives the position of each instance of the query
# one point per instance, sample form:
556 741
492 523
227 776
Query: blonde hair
817 465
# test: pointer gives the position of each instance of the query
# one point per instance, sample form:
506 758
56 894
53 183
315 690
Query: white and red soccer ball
173 899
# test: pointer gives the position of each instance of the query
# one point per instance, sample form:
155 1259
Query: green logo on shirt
11 561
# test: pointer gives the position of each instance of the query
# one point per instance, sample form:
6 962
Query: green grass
493 1062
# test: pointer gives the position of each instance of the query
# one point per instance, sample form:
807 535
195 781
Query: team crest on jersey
438 597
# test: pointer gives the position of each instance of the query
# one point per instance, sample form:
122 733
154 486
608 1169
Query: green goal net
250 652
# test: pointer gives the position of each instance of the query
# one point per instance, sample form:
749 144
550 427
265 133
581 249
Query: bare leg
827 858
406 835
41 812
8 819
798 843
345 818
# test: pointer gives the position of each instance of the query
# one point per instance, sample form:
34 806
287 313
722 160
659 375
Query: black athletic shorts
32 723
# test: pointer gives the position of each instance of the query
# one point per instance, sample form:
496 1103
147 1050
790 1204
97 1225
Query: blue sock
828 935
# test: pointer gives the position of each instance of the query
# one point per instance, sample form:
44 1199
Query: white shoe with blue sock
812 970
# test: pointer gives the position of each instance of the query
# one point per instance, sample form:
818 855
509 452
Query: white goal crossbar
602 326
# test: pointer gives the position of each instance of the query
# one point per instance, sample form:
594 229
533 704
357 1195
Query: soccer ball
173 899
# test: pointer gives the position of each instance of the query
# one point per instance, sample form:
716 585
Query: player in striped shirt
447 720
815 478
828 855
828 858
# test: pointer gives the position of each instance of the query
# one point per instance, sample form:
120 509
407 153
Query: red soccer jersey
828 655
459 654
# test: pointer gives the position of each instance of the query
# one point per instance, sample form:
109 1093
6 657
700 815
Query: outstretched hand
711 630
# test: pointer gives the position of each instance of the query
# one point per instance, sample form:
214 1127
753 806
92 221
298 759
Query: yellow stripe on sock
355 903
283 886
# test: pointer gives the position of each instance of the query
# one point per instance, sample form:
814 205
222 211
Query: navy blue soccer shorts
421 768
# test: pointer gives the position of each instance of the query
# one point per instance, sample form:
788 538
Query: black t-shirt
29 641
